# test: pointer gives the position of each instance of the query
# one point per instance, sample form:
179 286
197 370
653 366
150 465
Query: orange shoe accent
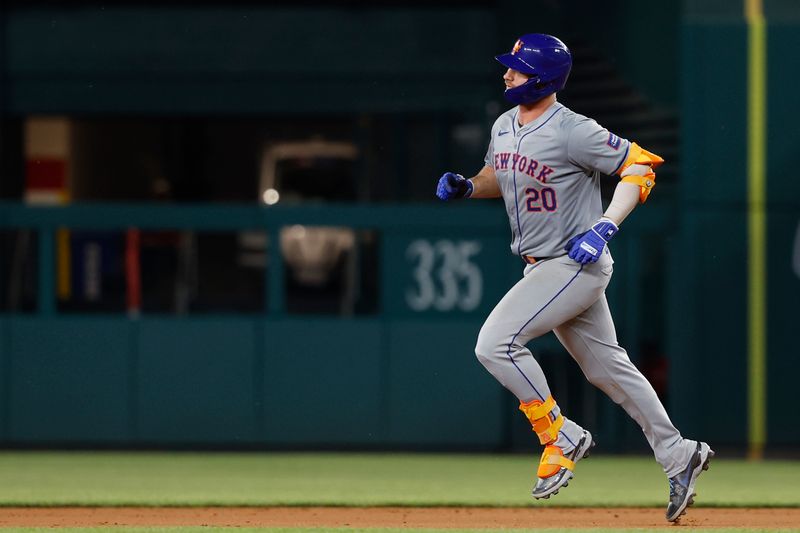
551 462
538 413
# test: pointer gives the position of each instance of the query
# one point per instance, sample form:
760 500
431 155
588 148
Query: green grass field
42 479
271 479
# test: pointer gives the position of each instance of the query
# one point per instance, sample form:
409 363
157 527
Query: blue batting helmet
545 59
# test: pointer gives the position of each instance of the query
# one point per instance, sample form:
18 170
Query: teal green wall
783 192
641 39
68 380
397 379
708 382
103 59
239 382
709 345
194 380
250 59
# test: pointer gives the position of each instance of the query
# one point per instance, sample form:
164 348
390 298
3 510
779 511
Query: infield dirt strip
400 517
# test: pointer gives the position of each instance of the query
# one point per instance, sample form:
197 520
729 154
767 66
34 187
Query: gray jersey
549 174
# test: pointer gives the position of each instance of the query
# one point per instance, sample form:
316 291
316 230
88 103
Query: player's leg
592 341
549 294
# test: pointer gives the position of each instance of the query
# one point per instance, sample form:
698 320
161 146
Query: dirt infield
410 517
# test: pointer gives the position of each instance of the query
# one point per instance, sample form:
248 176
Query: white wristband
626 197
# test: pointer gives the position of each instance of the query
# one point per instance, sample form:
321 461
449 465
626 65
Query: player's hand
453 186
587 247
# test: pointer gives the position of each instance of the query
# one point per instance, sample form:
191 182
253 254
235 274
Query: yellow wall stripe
756 228
753 9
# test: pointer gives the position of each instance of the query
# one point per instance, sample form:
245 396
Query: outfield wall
405 377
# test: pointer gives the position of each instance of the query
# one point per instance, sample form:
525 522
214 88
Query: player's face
514 78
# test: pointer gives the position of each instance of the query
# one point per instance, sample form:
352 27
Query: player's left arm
587 246
638 178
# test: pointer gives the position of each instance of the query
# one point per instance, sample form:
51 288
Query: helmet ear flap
531 91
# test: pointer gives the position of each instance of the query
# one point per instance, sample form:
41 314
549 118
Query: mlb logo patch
613 141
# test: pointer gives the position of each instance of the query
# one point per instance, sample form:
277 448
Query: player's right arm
453 186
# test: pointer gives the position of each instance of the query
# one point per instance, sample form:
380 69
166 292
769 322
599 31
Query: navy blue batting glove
453 186
587 247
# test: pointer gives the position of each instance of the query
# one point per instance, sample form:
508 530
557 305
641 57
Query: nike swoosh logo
502 133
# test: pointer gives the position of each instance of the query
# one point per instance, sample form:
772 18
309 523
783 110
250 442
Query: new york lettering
520 163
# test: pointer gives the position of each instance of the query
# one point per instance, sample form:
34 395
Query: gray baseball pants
567 298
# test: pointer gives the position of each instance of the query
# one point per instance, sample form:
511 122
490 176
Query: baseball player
545 161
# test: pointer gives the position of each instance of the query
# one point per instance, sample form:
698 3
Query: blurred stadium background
218 228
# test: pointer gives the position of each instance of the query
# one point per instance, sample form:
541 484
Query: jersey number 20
541 199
